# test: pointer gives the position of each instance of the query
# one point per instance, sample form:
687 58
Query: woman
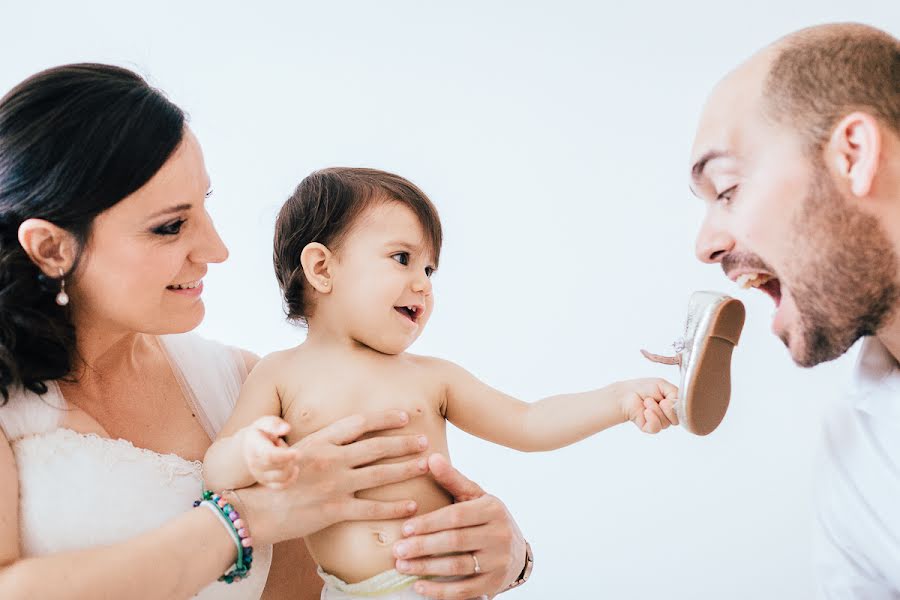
104 241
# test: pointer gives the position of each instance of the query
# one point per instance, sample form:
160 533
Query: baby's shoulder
431 365
281 362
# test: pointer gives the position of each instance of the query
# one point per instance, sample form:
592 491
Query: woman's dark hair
324 207
74 141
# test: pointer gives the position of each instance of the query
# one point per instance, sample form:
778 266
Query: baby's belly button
384 537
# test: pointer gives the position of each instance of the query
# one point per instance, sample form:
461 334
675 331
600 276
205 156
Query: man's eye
727 194
172 228
401 257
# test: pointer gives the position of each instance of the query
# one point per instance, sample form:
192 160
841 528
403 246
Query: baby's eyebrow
405 245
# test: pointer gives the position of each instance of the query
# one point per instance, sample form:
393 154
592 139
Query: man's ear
316 260
50 247
853 152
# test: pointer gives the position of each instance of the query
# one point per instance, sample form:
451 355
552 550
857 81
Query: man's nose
713 243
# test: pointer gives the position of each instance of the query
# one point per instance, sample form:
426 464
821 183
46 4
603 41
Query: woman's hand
331 470
477 527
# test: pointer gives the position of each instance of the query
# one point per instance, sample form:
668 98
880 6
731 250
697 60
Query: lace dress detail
81 490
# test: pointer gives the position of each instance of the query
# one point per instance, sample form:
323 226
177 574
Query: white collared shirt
857 488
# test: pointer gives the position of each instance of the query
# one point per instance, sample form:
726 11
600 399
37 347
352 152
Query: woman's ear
50 247
853 152
316 260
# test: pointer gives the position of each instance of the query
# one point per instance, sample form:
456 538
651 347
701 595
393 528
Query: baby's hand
269 459
649 403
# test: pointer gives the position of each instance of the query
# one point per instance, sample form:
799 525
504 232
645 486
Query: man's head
798 158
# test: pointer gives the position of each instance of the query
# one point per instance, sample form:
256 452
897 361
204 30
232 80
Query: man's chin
814 348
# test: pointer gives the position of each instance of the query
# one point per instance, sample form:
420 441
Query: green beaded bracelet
238 530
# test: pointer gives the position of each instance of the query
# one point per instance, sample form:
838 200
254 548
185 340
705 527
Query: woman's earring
62 298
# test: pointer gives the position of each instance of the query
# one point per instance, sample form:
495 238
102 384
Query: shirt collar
875 384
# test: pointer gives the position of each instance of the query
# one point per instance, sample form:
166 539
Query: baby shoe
712 330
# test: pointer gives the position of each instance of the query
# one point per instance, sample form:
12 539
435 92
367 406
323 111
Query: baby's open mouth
412 312
762 281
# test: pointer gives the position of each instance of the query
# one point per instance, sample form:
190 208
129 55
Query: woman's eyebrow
171 209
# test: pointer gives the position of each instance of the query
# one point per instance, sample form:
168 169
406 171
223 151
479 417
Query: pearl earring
62 298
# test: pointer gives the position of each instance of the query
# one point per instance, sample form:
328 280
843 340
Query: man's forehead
733 106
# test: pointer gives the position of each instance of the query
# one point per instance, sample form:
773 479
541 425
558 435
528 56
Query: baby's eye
401 257
429 271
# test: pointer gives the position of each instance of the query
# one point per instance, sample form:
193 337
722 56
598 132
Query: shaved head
820 74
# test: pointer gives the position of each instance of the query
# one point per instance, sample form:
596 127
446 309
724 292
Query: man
797 157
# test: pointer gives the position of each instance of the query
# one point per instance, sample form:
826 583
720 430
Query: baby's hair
323 209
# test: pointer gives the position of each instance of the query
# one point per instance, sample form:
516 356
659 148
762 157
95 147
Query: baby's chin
390 347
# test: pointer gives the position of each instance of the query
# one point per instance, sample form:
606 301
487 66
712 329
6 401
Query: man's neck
889 336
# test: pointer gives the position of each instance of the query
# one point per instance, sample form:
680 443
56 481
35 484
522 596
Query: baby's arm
556 421
249 447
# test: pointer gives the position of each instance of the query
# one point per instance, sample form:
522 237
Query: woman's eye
401 257
429 271
172 228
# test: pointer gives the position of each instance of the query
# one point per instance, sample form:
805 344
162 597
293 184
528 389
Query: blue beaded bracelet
239 531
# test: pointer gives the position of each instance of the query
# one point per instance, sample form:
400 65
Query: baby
355 250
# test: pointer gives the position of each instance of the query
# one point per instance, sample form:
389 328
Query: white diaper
390 585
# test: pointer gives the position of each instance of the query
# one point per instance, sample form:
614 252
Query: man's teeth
186 286
748 280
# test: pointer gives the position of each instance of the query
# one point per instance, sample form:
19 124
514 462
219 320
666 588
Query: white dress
77 491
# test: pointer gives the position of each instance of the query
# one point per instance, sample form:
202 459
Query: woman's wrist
522 576
239 530
248 503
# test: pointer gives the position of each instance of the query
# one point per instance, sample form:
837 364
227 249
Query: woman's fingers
442 542
364 478
375 510
351 428
365 452
454 516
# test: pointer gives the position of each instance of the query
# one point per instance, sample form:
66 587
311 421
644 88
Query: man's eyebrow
700 165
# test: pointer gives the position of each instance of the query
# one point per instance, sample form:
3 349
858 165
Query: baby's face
382 286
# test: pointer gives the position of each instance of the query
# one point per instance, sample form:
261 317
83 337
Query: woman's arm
174 561
556 421
189 552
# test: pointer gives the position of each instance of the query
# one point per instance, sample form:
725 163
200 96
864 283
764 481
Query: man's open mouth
762 281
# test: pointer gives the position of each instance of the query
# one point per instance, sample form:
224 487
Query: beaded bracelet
238 530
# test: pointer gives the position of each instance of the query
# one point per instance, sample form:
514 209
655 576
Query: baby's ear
316 261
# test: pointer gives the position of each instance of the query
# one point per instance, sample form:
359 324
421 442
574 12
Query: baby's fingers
652 424
271 426
278 479
668 408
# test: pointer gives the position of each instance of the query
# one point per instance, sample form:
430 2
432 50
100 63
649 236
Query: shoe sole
707 388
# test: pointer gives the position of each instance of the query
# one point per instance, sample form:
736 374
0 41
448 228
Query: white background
554 138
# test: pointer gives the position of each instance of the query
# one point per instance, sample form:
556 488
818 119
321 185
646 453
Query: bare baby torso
320 388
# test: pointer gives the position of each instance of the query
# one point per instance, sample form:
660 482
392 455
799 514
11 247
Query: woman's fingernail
402 565
400 550
423 464
411 507
408 529
403 416
423 441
